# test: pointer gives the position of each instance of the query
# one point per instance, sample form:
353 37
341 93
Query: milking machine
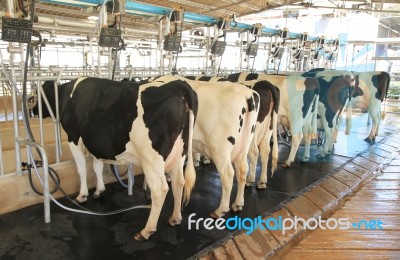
172 37
250 46
21 31
277 48
299 52
216 46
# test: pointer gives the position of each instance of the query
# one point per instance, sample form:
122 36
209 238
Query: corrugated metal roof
79 11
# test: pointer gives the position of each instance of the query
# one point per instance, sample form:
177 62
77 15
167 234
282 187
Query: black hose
25 112
52 173
36 33
174 70
54 177
118 49
22 8
115 172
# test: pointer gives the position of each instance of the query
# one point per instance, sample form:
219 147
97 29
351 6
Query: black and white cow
206 78
148 125
370 90
266 127
224 129
336 87
297 107
198 158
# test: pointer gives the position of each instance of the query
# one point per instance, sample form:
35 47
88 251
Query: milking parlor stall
199 129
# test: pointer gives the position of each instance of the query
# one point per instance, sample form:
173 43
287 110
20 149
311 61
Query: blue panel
157 10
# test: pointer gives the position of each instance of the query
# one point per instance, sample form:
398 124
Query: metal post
46 193
160 48
56 123
99 62
1 159
131 179
110 63
10 7
15 115
208 43
268 54
40 105
247 46
241 52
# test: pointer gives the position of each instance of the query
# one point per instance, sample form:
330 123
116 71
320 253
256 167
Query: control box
109 37
16 30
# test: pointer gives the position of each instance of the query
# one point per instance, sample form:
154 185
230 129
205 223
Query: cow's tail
348 113
253 106
190 172
274 123
314 119
385 97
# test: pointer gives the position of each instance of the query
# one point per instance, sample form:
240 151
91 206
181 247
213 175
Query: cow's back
296 92
100 113
103 112
225 112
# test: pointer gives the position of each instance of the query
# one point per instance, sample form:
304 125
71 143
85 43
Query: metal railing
45 181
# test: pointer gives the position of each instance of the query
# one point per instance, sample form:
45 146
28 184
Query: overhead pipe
49 23
188 16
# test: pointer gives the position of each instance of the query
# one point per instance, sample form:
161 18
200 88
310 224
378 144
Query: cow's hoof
196 164
249 182
140 237
320 156
206 161
237 208
99 196
368 140
174 222
261 186
285 165
306 159
81 200
214 215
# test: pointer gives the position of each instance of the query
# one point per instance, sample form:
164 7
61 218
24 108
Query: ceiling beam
377 1
233 4
325 7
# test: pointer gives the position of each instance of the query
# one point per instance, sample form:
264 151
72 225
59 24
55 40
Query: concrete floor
24 235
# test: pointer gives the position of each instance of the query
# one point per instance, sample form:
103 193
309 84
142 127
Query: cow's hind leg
253 157
205 160
241 170
226 171
155 177
307 148
98 169
296 139
376 119
80 161
328 143
265 150
308 134
197 160
177 183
